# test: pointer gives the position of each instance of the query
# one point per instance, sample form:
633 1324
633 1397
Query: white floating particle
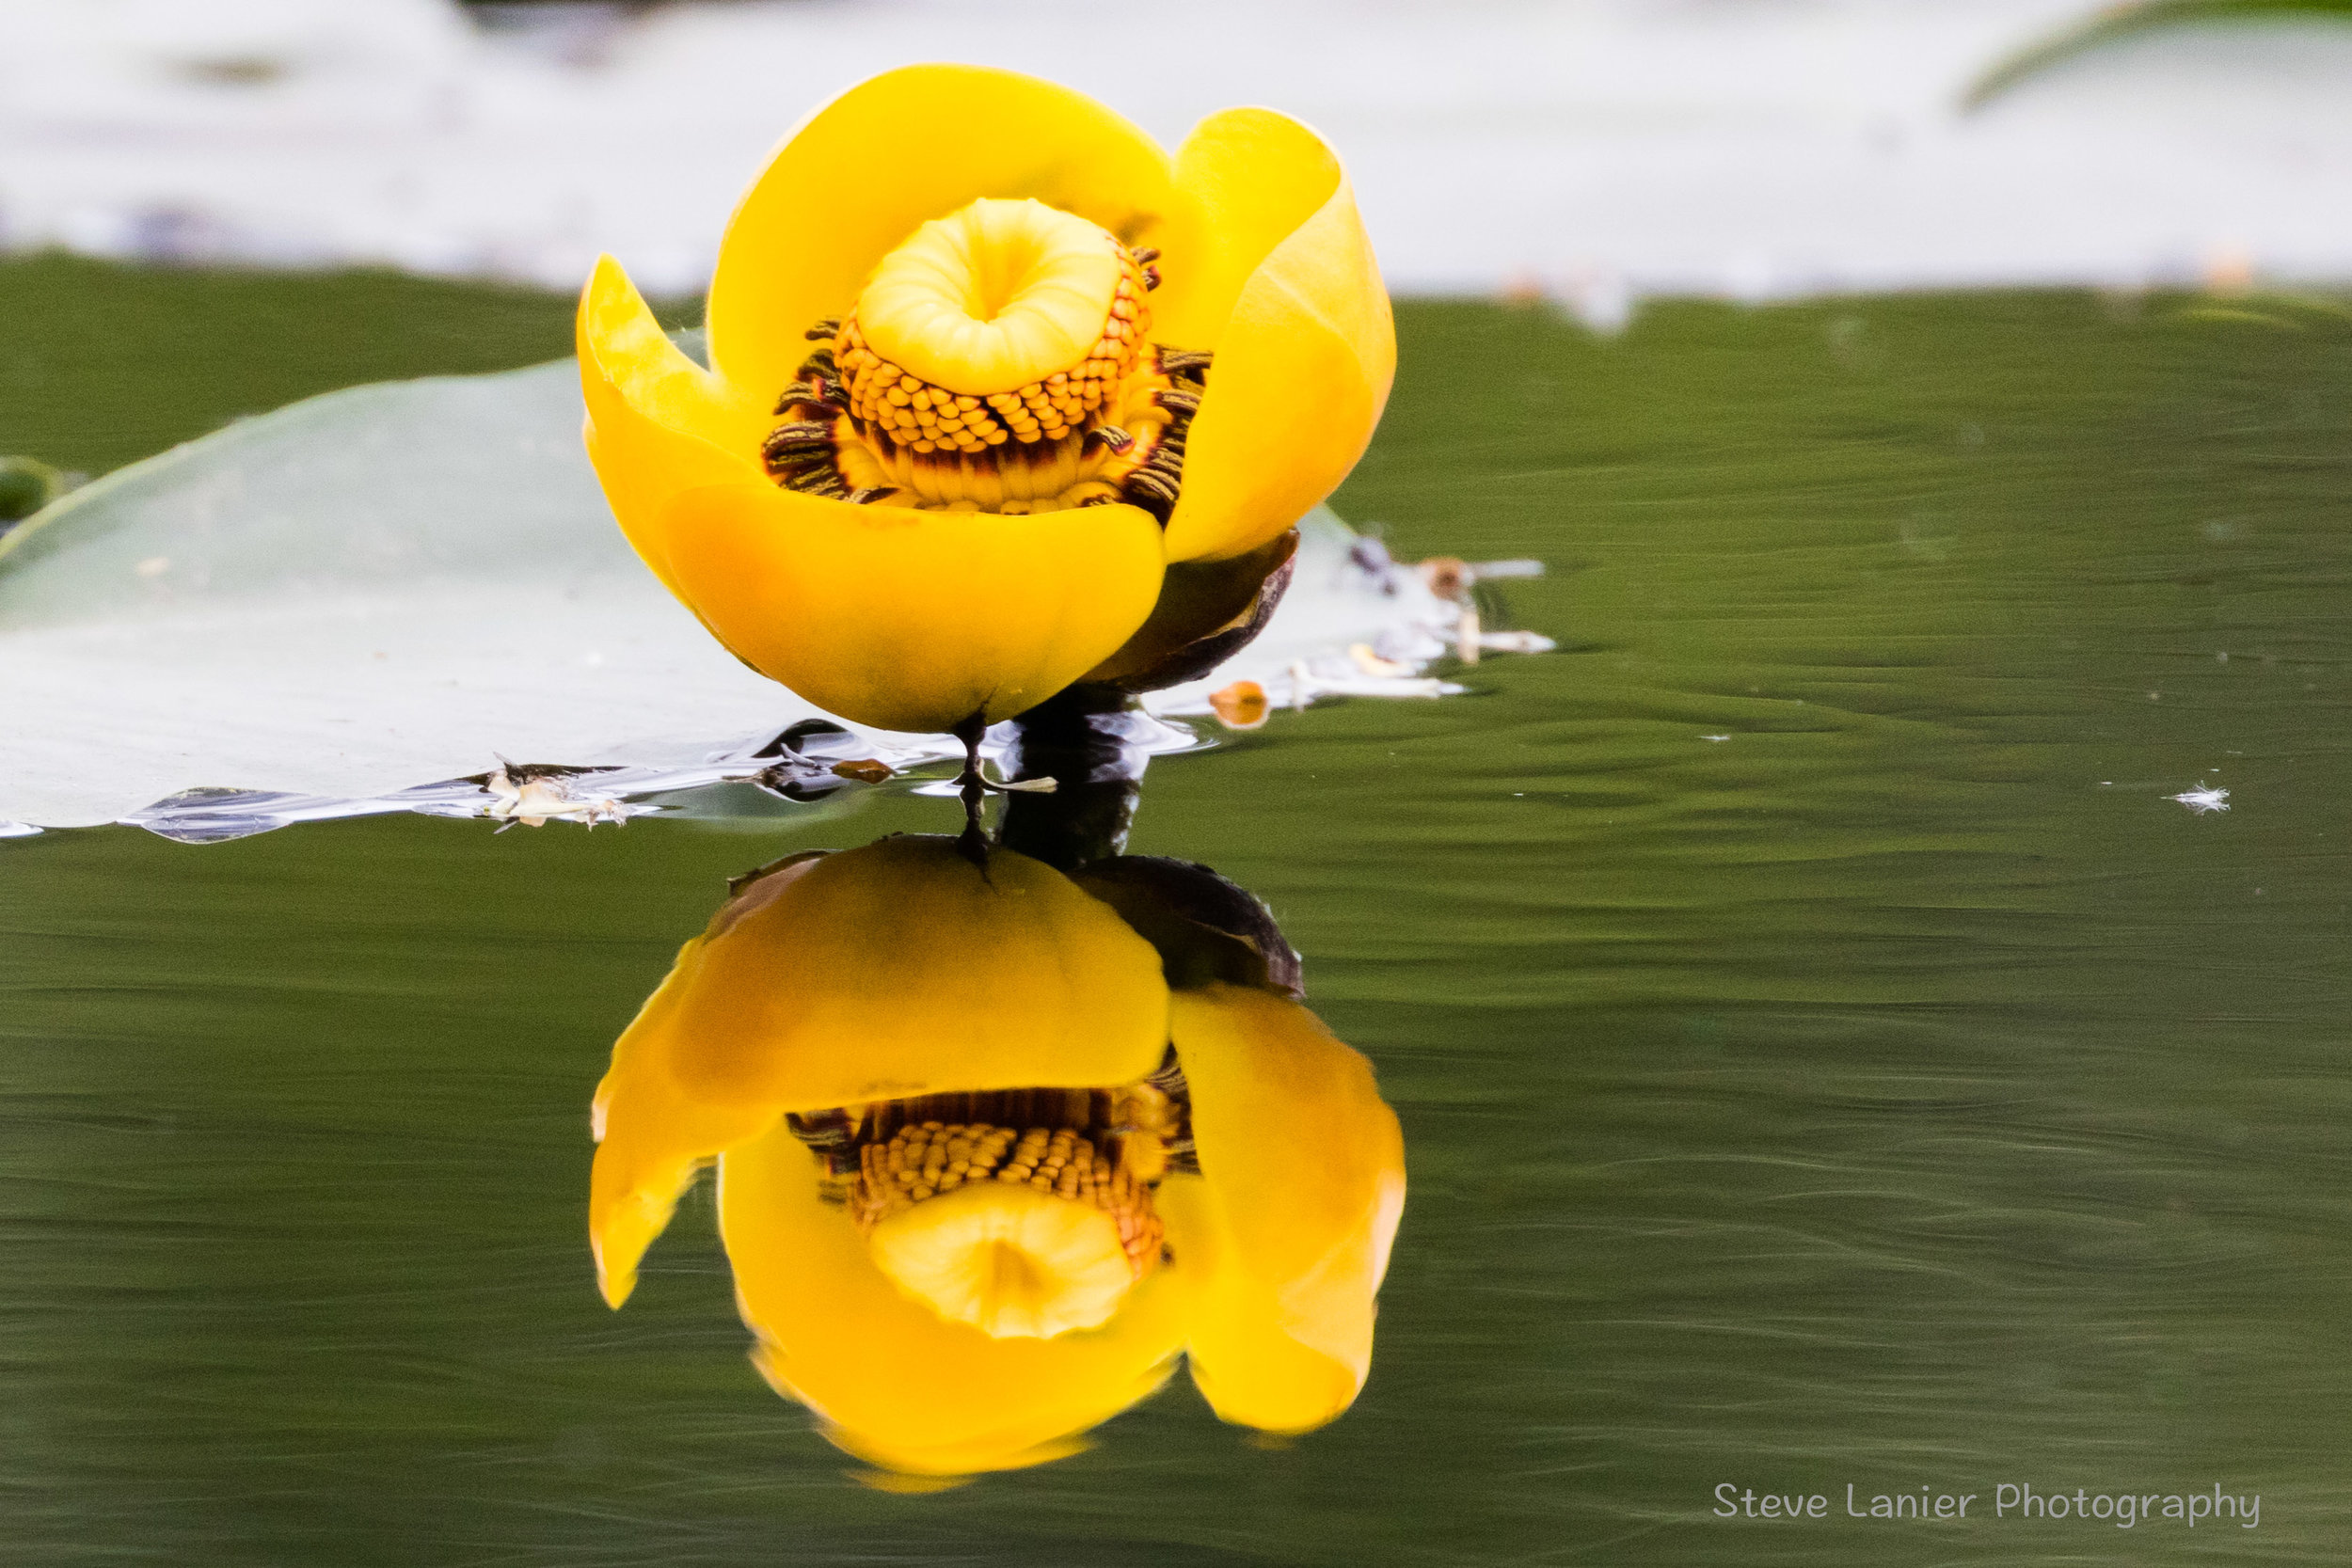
534 798
2204 798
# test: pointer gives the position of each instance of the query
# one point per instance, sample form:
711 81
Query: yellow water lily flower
985 361
983 1176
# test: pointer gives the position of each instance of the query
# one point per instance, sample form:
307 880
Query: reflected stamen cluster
1106 1148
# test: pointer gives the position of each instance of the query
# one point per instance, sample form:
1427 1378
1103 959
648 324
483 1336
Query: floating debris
1306 685
2204 798
1347 585
537 796
1241 706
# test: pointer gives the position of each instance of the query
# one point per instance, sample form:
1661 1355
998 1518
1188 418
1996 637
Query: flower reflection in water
997 1143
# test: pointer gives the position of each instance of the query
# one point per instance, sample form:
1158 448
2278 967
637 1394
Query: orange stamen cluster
895 406
927 1158
1112 427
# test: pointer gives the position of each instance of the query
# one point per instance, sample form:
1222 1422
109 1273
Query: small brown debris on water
1241 706
1448 575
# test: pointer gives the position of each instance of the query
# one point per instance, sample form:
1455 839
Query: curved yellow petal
902 968
651 1137
659 424
1251 1371
1302 1170
1248 179
895 1384
910 620
863 172
1307 351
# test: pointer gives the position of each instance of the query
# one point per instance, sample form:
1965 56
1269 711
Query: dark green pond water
1826 1055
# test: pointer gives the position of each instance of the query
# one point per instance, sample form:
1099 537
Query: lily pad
368 600
370 590
2112 23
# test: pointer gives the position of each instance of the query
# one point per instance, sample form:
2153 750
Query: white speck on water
1714 737
2204 798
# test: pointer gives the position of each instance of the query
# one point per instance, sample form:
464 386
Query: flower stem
1084 740
973 787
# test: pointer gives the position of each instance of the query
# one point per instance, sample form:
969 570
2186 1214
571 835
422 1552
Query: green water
1901 1091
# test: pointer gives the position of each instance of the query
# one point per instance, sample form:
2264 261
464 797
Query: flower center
1001 295
1025 1212
997 361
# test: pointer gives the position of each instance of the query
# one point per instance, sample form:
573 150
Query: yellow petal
1251 1370
894 1383
651 1137
902 968
1247 180
1302 1182
863 172
1307 350
659 424
910 620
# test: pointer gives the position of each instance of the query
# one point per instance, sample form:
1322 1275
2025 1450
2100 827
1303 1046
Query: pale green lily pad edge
2113 23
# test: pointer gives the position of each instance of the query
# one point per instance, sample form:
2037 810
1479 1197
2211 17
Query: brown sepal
1208 610
1205 929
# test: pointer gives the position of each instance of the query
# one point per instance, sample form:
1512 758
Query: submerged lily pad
366 600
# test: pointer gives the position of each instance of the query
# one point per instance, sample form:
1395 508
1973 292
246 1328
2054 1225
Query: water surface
1826 1054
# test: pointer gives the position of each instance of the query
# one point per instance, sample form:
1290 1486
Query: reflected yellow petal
1250 1368
895 1384
659 424
1306 354
902 968
651 1137
863 172
1302 1184
910 620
